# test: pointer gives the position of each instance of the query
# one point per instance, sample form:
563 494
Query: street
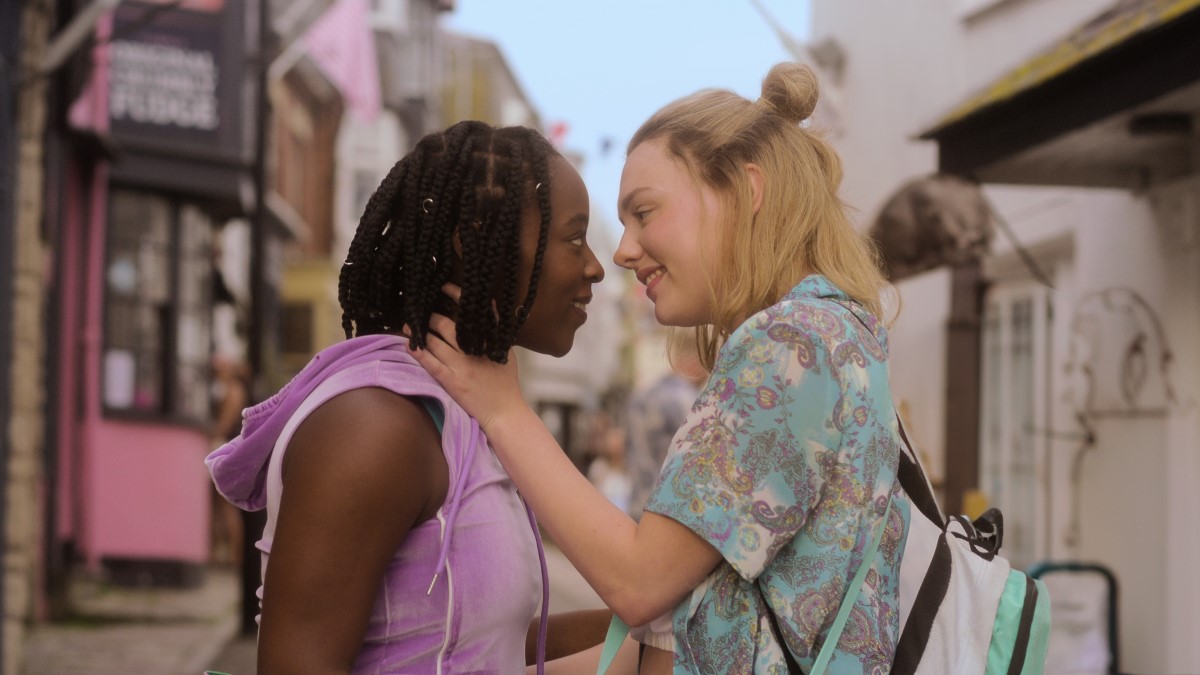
157 631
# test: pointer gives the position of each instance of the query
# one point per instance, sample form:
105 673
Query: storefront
160 159
1113 106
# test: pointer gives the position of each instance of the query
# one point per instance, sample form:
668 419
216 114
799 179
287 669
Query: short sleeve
748 465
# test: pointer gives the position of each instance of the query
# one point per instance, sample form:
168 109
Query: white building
1079 117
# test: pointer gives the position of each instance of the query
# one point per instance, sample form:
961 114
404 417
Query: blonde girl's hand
485 389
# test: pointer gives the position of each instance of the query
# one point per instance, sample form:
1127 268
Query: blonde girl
781 484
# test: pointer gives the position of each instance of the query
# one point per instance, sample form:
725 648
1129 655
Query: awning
1114 104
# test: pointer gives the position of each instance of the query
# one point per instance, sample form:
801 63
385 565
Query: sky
604 66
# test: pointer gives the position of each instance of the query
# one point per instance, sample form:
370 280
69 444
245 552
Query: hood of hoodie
239 468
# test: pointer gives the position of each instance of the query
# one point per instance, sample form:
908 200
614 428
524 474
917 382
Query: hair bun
791 89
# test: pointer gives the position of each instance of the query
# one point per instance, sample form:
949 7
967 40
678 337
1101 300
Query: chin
555 348
666 317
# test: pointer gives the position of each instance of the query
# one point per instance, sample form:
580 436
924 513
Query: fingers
429 361
440 327
444 329
453 291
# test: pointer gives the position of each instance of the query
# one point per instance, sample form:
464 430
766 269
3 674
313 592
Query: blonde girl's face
668 240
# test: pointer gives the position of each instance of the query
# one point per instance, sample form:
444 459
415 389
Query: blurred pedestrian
608 470
654 414
231 395
780 488
399 543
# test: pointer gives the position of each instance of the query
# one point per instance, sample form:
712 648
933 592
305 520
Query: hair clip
427 204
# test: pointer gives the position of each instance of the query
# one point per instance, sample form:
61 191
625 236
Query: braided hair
471 180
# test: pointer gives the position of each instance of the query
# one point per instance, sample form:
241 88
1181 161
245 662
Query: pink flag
558 133
342 44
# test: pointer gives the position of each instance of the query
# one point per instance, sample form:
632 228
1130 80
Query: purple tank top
460 592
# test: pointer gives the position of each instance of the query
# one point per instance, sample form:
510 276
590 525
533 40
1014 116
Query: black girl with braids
413 220
383 470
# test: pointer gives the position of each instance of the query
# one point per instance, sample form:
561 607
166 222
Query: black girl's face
569 267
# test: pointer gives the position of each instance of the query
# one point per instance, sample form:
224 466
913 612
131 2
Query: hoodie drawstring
542 623
455 500
452 516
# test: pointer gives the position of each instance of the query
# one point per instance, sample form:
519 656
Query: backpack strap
617 630
835 632
839 622
914 481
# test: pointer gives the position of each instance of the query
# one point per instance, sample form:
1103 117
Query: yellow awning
1125 20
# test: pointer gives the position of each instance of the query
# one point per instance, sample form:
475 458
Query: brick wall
26 429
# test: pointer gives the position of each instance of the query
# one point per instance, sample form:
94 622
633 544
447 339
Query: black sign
176 78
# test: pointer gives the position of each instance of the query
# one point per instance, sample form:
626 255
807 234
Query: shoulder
370 438
369 415
808 325
805 336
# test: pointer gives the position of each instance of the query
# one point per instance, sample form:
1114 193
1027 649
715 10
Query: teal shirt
785 465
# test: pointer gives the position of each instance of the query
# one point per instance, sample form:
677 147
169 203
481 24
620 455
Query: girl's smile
667 241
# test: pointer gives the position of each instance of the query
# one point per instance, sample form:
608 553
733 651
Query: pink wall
147 492
142 486
125 489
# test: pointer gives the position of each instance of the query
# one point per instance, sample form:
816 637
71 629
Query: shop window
158 308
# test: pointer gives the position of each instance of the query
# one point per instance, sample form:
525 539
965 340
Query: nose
593 271
628 252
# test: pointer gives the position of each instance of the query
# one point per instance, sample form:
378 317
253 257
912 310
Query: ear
757 180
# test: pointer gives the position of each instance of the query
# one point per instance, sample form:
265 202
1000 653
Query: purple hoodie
442 608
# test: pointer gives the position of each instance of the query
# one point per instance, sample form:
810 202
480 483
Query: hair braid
505 241
542 173
426 208
475 318
358 261
471 180
395 270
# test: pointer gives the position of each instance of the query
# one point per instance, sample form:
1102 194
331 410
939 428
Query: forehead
568 201
564 177
652 166
568 194
649 159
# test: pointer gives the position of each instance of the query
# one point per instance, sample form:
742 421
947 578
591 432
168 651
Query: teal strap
435 411
835 631
617 630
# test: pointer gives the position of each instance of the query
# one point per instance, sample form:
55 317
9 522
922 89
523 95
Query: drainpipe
253 522
963 382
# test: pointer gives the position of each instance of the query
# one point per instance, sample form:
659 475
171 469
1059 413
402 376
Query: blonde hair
801 226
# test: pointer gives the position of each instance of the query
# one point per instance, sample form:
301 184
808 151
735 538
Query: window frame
1018 491
170 408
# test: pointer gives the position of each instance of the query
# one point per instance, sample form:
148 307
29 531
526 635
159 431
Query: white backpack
963 609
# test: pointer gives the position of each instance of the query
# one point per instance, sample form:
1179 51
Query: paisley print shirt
785 465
